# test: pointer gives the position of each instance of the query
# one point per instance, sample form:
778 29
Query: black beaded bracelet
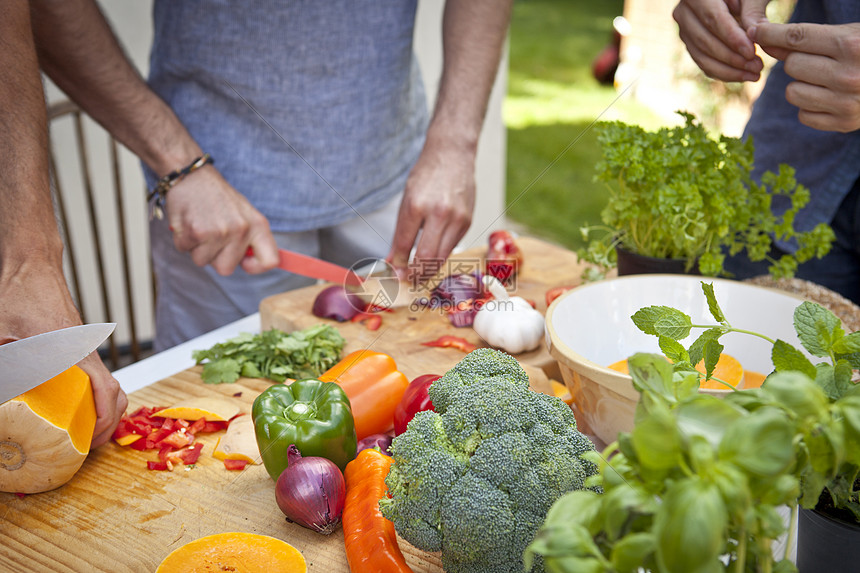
159 194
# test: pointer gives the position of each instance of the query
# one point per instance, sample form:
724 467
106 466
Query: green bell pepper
315 416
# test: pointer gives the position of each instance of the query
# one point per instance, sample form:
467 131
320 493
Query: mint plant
679 193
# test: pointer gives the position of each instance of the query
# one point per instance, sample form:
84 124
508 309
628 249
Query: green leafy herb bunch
679 193
697 485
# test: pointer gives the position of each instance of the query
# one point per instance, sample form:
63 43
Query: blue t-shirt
828 163
314 110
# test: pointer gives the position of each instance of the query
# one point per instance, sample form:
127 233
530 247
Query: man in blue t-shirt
315 117
808 114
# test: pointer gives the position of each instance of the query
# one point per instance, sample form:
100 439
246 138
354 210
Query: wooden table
116 516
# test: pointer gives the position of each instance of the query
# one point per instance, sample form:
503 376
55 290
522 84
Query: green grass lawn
551 106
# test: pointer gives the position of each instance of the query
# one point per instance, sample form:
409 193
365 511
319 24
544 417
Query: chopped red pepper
235 465
448 341
178 439
371 320
191 454
173 439
212 427
197 426
159 466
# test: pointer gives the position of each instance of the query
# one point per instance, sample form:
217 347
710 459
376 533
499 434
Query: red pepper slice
197 426
235 465
191 454
177 439
371 320
210 427
448 341
159 466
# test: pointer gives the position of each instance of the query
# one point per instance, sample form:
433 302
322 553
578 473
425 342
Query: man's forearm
80 53
473 34
27 226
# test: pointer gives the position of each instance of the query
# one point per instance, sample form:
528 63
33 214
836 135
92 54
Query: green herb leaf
224 370
651 372
786 358
760 443
697 348
848 348
716 311
663 321
689 526
673 349
630 552
711 351
817 328
835 380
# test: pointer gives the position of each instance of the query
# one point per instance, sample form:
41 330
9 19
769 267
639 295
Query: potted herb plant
679 195
697 485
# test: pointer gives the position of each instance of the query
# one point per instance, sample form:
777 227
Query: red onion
383 441
336 303
459 288
311 492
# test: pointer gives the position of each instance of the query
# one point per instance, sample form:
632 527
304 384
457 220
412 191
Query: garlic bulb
508 322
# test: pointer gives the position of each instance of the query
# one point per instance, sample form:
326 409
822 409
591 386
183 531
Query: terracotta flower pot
826 544
630 263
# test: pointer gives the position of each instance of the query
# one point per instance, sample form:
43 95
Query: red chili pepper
448 341
159 466
414 400
371 320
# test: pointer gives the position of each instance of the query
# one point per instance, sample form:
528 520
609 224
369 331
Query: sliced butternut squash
237 552
212 408
239 443
45 433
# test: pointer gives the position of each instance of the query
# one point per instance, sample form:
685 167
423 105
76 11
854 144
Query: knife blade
26 363
313 267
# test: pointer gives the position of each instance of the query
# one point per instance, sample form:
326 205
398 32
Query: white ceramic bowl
590 327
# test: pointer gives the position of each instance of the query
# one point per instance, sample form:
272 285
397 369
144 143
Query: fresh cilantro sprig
679 193
272 354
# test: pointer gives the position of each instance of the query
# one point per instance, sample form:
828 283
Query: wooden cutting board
116 516
404 329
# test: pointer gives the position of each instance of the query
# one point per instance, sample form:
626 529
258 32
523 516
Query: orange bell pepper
374 387
370 540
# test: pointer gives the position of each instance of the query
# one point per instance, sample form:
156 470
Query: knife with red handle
313 267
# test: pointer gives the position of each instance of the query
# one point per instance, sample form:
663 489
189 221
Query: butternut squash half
237 552
45 433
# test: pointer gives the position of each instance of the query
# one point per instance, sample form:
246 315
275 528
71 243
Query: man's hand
216 225
34 299
715 36
438 202
825 64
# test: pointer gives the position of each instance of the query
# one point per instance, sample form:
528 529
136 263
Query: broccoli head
475 478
